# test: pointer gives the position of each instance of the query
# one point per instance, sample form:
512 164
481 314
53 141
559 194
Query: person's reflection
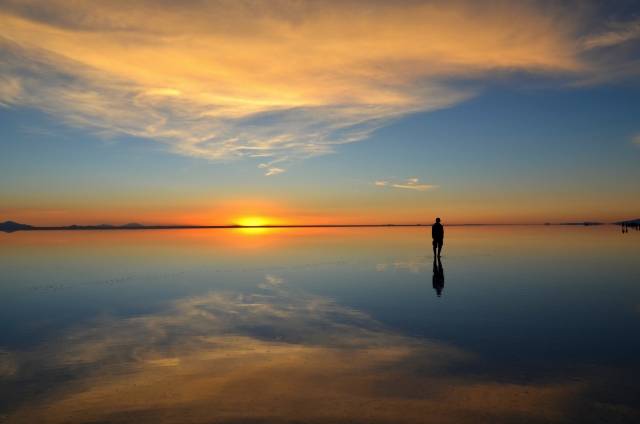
438 276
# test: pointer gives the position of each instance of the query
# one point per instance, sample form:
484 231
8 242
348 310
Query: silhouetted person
438 277
437 233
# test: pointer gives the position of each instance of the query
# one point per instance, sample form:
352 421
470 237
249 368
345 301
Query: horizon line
76 227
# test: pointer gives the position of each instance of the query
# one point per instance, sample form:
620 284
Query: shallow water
533 324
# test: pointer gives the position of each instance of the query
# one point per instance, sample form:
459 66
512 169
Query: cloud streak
283 81
619 33
274 171
408 184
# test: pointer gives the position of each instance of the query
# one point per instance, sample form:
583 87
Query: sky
306 112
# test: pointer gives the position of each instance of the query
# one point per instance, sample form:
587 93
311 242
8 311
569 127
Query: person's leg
439 248
434 248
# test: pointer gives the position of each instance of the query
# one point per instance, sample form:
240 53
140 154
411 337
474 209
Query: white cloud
408 184
274 171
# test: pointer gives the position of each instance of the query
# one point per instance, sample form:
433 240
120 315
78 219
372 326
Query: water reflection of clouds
276 355
271 281
413 265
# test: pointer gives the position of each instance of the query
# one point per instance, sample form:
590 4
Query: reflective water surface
516 324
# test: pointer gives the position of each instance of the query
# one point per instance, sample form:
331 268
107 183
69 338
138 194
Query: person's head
437 219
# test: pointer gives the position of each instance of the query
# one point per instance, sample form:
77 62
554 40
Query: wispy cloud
270 169
409 184
617 33
274 171
413 184
9 90
226 79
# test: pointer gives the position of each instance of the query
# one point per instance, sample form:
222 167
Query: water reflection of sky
534 325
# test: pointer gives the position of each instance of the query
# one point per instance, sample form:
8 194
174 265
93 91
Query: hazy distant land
12 226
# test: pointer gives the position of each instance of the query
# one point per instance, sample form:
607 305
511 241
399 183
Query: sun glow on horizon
253 221
255 224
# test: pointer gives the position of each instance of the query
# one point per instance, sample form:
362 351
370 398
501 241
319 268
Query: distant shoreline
24 227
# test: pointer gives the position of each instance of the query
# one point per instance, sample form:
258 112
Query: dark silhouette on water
438 276
11 226
632 223
437 233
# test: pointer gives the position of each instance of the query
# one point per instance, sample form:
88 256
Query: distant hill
10 226
104 226
133 225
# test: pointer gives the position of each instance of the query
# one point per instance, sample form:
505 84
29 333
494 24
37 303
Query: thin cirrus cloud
408 184
276 81
270 169
617 33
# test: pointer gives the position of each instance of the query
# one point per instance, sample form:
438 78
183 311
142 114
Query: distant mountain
130 225
133 225
89 227
10 226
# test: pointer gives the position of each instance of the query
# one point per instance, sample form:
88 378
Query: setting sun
252 221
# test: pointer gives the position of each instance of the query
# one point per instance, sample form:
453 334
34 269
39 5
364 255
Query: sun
252 221
253 225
